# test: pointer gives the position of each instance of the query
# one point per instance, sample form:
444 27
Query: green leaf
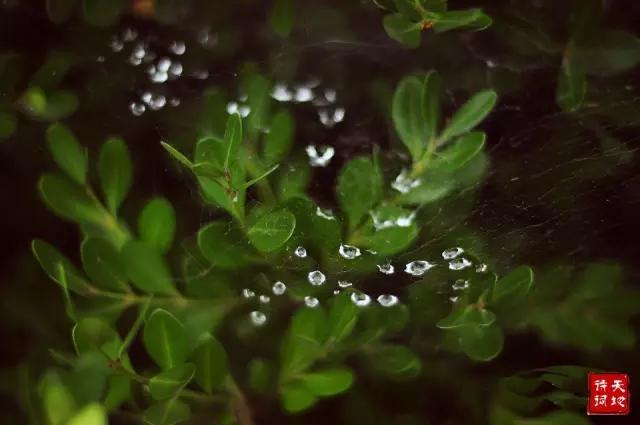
102 264
146 268
514 286
232 139
404 31
571 88
460 152
359 189
390 230
470 18
224 246
293 179
608 52
59 405
54 69
169 412
281 18
301 346
115 171
272 230
8 125
102 13
342 318
315 231
469 115
260 177
394 361
327 382
296 397
467 316
157 224
258 89
92 334
210 359
118 393
177 155
480 343
91 414
67 152
165 339
50 259
70 200
166 384
277 143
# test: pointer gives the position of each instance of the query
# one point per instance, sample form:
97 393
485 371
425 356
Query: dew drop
387 300
311 302
460 284
454 299
129 34
159 77
344 284
326 214
451 253
360 299
116 45
135 61
175 69
164 64
320 157
316 278
258 318
418 268
300 252
158 102
264 299
481 268
403 183
281 93
336 292
338 114
303 94
244 111
459 263
177 48
174 101
349 252
279 288
136 108
330 95
248 293
232 107
386 268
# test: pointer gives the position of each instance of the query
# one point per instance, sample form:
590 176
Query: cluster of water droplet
319 156
403 183
324 100
380 223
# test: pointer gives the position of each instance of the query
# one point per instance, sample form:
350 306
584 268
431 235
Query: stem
255 169
239 403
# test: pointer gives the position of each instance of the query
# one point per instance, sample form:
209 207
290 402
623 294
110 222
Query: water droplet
320 157
164 64
338 114
175 69
330 95
418 268
300 252
460 284
336 292
258 318
303 94
344 284
139 51
326 214
248 293
100 59
451 253
200 74
403 183
232 107
349 252
387 300
146 97
129 34
481 268
136 108
316 278
360 299
135 61
490 63
311 301
454 299
386 268
158 102
116 45
177 48
459 264
159 77
402 221
207 39
264 299
244 111
174 101
279 288
281 93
